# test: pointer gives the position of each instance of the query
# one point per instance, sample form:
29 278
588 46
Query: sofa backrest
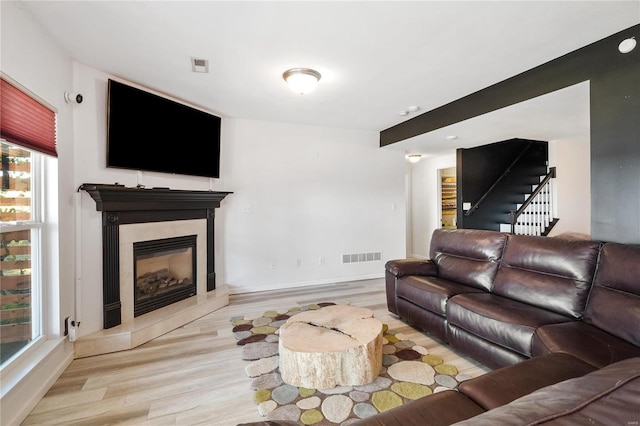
552 273
614 302
467 256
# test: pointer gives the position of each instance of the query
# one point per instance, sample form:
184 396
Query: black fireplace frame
147 304
122 205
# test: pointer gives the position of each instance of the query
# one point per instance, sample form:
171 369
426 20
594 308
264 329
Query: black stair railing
475 206
535 216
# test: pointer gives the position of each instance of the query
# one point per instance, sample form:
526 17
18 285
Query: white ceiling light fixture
627 45
301 80
414 158
409 110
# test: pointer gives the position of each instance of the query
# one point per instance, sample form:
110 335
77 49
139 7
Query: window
20 225
27 137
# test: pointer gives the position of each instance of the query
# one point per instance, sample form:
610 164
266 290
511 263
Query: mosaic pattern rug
409 372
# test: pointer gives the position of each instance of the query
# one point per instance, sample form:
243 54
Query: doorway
448 194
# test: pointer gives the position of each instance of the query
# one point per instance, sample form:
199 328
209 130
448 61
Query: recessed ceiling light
452 137
413 108
403 113
627 45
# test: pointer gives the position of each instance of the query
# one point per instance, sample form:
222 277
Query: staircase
535 215
520 200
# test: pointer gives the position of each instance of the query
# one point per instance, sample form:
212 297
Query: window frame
36 226
42 224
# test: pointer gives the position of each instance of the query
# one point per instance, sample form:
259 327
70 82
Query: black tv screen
150 133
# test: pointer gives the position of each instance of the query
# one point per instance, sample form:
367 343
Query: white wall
425 201
29 57
302 197
306 196
572 159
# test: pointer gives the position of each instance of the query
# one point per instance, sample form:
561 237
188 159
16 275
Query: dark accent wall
615 155
615 134
478 169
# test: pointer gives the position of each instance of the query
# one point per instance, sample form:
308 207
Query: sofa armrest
402 267
395 269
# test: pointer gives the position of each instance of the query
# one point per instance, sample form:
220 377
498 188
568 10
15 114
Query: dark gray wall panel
615 155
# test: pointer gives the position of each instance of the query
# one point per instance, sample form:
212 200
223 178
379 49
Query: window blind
25 121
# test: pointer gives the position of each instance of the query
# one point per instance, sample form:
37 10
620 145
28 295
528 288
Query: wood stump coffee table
331 346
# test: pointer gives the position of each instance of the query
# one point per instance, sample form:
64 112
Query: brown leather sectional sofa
541 311
502 299
557 319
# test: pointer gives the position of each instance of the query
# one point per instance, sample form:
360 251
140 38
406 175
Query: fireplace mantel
124 205
120 198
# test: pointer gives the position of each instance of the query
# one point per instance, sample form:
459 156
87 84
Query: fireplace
131 215
164 271
168 220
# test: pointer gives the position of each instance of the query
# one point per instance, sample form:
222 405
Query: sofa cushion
487 353
431 293
439 409
551 273
608 396
504 322
435 325
584 341
467 256
614 303
501 386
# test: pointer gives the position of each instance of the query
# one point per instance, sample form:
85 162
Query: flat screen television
148 132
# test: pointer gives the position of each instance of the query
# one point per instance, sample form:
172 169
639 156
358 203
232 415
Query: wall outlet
70 328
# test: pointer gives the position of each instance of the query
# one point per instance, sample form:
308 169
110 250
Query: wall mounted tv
148 132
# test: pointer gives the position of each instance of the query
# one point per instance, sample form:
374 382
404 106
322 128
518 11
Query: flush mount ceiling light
627 45
301 80
410 109
414 158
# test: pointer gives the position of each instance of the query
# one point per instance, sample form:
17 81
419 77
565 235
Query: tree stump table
331 346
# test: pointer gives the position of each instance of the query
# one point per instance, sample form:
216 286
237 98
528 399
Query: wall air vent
362 257
200 65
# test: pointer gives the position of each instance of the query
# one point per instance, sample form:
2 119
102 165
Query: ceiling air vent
200 65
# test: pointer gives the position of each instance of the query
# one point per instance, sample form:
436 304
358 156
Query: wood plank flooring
194 375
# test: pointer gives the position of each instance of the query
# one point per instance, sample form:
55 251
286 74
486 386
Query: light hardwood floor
194 375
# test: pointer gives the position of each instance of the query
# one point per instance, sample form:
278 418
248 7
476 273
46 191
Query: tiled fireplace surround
130 215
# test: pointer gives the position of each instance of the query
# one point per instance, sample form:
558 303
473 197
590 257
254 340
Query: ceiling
376 58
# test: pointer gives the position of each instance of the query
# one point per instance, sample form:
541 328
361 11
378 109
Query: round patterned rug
409 372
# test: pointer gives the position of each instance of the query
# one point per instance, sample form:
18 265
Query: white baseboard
418 256
34 378
238 289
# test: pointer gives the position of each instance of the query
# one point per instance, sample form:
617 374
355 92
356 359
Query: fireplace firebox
164 271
